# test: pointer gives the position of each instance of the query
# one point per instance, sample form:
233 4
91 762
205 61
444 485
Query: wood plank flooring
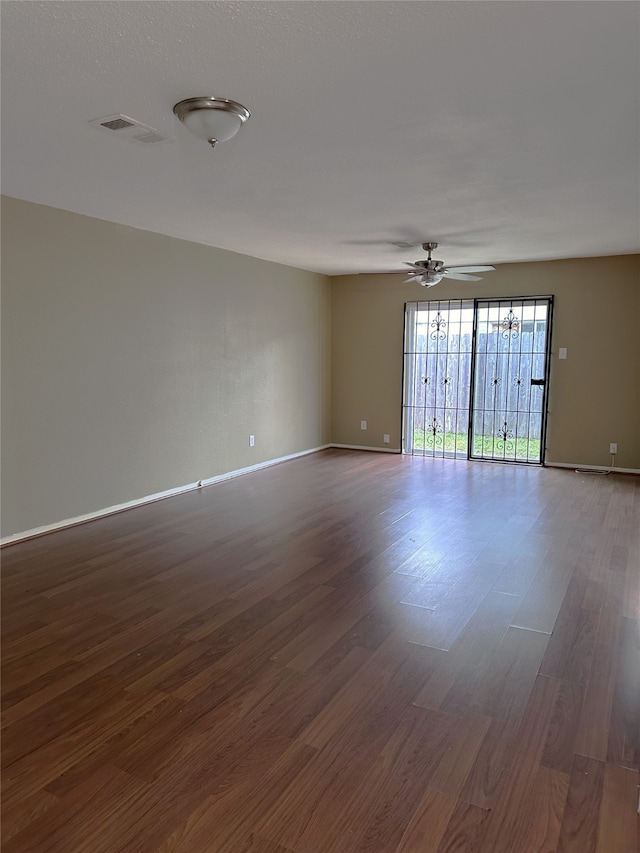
345 652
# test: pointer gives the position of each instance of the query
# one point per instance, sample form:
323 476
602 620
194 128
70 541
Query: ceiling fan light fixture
210 118
430 271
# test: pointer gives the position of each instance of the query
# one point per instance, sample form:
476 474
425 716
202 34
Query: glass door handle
537 381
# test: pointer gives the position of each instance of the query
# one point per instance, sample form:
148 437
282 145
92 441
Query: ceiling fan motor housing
430 266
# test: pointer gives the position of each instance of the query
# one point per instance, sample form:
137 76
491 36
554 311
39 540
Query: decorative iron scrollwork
505 432
438 325
510 326
504 438
433 433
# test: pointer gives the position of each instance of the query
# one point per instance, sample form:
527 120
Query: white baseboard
363 447
209 481
240 471
158 496
574 465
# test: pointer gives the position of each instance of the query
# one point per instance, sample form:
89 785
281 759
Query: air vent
129 128
116 124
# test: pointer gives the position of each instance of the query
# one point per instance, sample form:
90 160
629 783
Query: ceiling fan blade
413 266
413 278
472 269
462 276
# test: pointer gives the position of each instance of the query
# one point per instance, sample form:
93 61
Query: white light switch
363 424
562 352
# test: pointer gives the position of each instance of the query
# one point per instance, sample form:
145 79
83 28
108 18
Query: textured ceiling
504 131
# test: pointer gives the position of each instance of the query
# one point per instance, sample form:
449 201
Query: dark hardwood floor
345 652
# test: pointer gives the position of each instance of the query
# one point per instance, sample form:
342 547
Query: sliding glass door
475 378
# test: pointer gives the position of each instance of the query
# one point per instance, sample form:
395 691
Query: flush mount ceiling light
213 119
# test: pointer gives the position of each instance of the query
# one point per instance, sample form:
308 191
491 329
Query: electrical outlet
252 441
386 438
363 424
613 448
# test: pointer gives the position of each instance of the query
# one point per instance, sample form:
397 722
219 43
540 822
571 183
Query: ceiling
503 131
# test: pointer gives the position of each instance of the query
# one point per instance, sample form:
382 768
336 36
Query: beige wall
134 363
594 394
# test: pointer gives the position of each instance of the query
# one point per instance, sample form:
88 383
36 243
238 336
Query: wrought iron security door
510 378
475 378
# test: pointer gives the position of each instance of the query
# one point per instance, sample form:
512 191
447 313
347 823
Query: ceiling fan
430 272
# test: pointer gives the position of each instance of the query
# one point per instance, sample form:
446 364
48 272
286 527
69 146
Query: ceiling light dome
211 118
431 277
